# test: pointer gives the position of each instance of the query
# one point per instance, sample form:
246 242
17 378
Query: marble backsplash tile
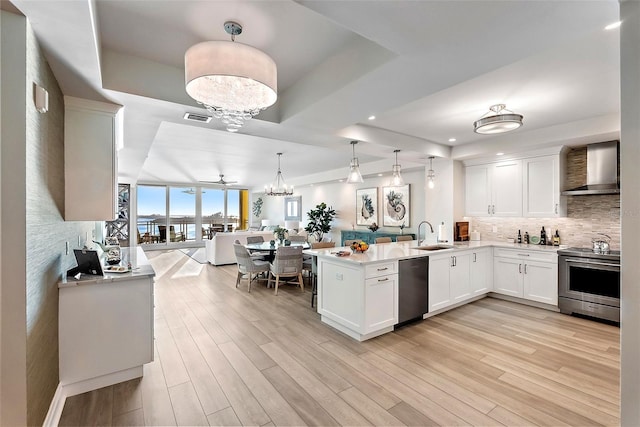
586 217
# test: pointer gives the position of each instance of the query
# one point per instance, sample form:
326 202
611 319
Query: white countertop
394 251
140 267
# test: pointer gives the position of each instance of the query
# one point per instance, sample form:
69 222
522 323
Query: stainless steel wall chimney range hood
602 170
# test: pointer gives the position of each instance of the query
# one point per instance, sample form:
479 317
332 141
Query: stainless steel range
589 283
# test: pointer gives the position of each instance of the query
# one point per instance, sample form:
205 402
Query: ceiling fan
221 181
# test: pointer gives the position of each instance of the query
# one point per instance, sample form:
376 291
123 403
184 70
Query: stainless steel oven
589 283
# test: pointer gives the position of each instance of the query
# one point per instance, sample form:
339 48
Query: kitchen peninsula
359 294
106 325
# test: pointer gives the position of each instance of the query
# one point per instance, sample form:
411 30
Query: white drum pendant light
497 120
232 80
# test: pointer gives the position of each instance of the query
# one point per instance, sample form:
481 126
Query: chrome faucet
430 226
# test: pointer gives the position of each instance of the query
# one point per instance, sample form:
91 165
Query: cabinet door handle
474 257
523 254
525 269
520 268
383 280
452 262
493 209
383 269
455 261
489 209
556 208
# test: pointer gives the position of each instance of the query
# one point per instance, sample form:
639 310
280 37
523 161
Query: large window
182 213
194 213
152 212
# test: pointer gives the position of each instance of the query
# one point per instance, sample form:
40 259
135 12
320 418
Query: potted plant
320 220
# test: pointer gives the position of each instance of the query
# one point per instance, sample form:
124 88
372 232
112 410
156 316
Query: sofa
219 250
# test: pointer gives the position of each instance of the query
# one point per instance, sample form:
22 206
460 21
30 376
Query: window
194 212
152 212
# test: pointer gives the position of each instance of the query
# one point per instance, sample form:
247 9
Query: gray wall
46 234
33 230
630 201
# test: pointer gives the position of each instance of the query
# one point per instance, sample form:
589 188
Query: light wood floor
228 357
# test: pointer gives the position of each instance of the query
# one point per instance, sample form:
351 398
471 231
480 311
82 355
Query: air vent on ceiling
197 117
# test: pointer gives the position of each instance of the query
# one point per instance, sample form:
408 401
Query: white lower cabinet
480 269
526 274
361 301
458 277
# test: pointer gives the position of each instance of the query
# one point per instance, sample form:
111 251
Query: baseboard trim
55 408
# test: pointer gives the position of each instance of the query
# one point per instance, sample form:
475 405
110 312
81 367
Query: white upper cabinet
494 189
92 132
527 187
541 188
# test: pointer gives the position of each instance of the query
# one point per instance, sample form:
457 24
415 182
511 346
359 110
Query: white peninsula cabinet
359 300
528 274
92 132
458 276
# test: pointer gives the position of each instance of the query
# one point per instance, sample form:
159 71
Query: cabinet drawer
380 269
528 255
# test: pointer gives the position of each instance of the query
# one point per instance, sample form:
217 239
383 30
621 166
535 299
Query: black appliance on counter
589 283
413 289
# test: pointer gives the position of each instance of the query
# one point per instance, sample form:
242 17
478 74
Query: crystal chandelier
278 187
232 80
431 175
497 120
396 178
354 167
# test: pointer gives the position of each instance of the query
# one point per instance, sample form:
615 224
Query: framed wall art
396 208
366 206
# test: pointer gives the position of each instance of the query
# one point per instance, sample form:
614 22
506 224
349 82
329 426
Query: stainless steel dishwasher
413 289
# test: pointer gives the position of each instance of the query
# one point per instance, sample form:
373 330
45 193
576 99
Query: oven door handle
591 262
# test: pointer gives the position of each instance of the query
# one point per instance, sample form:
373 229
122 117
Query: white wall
630 213
342 197
445 202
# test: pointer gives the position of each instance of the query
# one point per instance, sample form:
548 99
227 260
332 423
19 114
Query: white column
630 212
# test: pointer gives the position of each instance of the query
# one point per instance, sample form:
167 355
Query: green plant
320 220
257 207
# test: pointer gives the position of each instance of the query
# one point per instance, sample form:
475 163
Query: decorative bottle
556 239
543 236
519 237
526 237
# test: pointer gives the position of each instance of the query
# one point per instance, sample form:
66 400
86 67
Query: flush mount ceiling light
354 167
497 120
278 187
396 177
232 80
431 175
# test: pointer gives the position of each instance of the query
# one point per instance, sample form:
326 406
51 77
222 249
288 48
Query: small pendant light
396 177
354 167
431 175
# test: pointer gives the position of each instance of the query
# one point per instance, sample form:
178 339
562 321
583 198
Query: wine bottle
556 239
526 237
519 237
543 236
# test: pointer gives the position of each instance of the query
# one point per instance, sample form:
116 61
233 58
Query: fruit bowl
359 247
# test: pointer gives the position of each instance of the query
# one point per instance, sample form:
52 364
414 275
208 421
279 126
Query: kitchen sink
434 247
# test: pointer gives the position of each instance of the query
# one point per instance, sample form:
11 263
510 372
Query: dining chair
383 239
403 238
264 255
248 266
287 263
312 266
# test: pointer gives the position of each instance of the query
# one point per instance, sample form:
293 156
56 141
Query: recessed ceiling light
372 117
613 26
341 180
500 154
379 174
452 140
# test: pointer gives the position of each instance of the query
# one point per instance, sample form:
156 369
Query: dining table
268 247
